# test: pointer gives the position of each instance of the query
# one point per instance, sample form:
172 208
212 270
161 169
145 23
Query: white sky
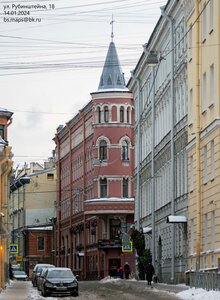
49 69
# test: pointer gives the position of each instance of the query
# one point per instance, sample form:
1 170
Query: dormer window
2 131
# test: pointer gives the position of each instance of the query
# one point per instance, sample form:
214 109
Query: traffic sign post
126 243
13 248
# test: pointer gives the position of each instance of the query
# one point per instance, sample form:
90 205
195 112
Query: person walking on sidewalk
150 272
127 270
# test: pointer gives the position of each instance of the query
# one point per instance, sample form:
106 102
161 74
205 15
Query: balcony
102 206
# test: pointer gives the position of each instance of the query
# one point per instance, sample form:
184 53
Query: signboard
18 258
126 243
109 244
13 248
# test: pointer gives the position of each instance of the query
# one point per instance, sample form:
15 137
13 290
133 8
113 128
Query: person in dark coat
127 270
149 272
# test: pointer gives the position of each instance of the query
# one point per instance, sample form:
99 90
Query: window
99 115
191 106
103 150
190 43
204 22
103 187
213 230
40 243
115 228
121 114
205 179
191 174
128 115
211 15
212 157
205 232
125 188
212 85
125 150
50 176
2 131
204 104
106 114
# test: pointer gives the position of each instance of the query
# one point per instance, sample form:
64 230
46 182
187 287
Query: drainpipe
172 167
153 170
138 154
198 171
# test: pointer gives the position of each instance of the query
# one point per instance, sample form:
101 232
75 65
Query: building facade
204 131
95 203
159 86
5 169
31 210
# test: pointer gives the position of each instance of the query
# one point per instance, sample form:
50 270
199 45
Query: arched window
128 115
103 150
106 114
99 114
103 187
121 114
125 150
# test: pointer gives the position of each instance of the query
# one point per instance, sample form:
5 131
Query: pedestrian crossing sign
13 248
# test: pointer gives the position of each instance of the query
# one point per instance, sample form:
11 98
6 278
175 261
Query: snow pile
110 279
199 294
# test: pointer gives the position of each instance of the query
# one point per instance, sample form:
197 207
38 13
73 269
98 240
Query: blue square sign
13 248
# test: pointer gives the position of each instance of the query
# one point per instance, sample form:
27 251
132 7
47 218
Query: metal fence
205 280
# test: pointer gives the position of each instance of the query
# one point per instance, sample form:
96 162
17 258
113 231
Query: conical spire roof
112 78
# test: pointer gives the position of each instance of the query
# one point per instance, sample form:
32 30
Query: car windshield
19 272
60 274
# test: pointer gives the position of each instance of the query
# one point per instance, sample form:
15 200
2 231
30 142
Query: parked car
59 281
40 278
37 270
20 275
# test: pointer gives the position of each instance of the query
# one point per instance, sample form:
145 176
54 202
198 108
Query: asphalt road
96 290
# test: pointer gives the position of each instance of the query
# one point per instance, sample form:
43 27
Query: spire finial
112 23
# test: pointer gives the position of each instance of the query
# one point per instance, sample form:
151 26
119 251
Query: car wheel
76 294
34 284
43 292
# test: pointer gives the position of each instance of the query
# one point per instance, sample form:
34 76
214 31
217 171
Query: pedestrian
121 272
127 270
10 271
150 272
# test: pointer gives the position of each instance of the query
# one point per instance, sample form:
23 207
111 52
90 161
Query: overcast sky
49 68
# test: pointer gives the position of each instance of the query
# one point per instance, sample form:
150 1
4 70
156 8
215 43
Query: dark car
40 278
59 281
37 270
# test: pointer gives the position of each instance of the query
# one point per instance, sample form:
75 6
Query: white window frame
190 43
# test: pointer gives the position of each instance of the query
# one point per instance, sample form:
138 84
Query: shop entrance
114 265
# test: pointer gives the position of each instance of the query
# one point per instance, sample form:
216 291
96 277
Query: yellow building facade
5 168
203 150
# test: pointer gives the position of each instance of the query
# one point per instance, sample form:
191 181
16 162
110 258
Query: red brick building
95 203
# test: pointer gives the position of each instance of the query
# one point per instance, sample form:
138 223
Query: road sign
126 243
13 248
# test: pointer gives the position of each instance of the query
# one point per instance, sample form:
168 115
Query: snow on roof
111 200
41 228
